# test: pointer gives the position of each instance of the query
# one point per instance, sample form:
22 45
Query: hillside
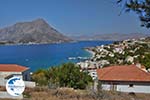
36 31
111 36
125 52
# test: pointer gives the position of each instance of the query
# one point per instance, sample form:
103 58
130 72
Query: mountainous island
35 32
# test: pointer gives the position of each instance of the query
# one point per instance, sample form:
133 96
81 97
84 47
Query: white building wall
5 74
135 88
126 88
23 75
106 87
2 82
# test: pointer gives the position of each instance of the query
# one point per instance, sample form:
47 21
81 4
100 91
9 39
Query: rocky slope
36 31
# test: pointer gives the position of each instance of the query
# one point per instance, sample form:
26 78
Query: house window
130 85
25 77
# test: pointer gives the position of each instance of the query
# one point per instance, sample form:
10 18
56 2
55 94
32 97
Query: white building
9 70
118 50
83 64
129 59
128 78
93 73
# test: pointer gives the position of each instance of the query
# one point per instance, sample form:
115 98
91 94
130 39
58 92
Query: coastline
90 51
18 44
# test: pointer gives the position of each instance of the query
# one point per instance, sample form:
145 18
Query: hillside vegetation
66 75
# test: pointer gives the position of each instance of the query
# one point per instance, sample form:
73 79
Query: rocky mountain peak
36 31
39 21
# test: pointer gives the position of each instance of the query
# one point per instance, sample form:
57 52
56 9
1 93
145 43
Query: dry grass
2 88
57 94
71 94
43 93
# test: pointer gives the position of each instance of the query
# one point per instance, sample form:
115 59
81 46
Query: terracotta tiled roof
12 68
123 73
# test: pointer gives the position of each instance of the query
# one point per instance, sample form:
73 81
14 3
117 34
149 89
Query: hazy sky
72 16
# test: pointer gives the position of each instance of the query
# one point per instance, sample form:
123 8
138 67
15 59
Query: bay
46 55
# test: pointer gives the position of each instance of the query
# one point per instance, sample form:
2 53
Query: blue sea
46 55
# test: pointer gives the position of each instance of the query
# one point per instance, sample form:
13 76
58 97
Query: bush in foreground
66 75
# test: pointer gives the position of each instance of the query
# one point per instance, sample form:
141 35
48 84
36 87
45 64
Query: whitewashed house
129 59
118 50
9 70
91 71
126 78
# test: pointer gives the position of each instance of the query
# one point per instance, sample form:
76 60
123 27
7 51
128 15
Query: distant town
126 52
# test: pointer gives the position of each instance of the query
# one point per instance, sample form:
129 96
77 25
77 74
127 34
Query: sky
72 17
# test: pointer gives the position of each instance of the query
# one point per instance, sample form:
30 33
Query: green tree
141 8
40 78
146 61
66 75
71 76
